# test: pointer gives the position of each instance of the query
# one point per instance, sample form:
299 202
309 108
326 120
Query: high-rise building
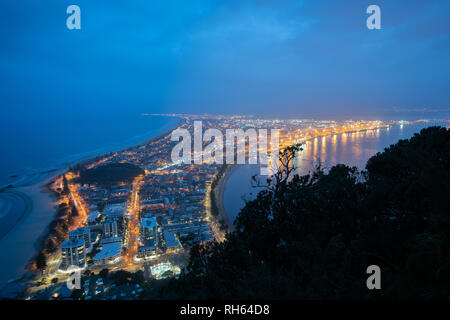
73 253
173 245
81 233
110 228
148 229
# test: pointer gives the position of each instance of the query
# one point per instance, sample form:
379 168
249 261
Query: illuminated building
81 233
110 228
115 211
172 243
164 270
109 254
93 217
148 251
73 253
148 229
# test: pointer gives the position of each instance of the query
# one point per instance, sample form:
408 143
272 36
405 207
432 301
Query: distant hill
110 174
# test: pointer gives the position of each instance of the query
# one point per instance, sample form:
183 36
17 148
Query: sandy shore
219 191
35 212
18 245
13 206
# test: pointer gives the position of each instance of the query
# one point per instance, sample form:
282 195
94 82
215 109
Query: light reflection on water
353 149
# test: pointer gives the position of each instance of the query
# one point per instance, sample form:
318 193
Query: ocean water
31 148
353 149
36 147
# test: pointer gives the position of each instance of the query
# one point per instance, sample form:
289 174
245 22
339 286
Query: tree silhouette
313 236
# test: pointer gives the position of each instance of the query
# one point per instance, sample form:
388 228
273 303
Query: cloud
233 55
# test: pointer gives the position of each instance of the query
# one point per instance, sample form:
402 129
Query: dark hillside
313 237
109 174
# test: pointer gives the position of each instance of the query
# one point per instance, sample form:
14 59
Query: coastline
20 243
71 160
22 200
222 183
398 134
219 192
27 234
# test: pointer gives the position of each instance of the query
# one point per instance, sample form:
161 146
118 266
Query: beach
219 193
13 206
18 245
29 208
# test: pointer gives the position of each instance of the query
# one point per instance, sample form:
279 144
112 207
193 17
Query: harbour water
353 149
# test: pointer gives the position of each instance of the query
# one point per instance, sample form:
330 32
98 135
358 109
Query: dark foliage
313 237
122 277
77 294
110 174
104 273
41 261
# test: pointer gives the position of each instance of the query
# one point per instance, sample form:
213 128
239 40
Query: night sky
223 56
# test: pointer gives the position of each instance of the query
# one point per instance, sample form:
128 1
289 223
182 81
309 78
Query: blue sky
280 57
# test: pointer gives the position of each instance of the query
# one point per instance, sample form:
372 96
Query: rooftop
149 223
171 241
109 250
72 243
93 215
115 210
78 232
